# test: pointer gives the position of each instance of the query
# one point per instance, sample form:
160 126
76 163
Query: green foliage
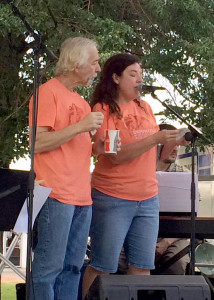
173 38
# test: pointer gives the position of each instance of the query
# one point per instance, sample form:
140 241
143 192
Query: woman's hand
166 136
99 146
182 142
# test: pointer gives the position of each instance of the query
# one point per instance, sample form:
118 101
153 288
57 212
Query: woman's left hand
182 142
99 145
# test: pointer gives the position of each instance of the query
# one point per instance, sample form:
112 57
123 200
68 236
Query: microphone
188 136
149 88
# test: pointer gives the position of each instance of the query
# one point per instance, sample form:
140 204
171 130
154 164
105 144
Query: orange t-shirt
66 169
134 180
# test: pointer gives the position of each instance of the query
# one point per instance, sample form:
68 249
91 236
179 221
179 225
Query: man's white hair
73 51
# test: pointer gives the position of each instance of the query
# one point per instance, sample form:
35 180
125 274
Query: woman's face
128 83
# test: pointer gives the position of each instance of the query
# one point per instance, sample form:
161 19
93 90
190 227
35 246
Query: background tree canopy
172 38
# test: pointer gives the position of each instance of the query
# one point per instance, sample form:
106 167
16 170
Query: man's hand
38 182
91 121
161 248
163 245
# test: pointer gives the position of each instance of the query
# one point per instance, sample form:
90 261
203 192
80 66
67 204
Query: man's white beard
90 81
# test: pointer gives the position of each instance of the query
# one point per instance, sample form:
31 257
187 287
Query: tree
169 36
175 39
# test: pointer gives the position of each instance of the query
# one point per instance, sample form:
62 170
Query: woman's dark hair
106 91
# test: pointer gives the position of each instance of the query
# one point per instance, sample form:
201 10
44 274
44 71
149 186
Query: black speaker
13 192
20 291
153 287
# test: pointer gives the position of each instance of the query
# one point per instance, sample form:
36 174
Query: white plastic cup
111 138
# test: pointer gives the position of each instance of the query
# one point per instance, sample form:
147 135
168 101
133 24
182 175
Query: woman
124 185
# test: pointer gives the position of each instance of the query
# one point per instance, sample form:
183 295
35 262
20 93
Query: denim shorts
118 222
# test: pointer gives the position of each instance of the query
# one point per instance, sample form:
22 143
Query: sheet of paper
175 191
181 180
41 193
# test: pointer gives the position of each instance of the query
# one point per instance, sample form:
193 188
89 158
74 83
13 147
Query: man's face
87 72
169 153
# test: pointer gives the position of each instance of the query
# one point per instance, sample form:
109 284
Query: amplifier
153 287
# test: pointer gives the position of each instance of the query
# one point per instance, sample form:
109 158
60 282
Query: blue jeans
118 222
59 254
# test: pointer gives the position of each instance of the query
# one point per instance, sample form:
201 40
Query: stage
180 227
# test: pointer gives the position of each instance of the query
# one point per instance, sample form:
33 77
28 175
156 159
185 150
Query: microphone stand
39 45
31 174
189 136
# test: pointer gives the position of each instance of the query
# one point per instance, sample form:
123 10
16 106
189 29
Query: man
63 149
168 247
